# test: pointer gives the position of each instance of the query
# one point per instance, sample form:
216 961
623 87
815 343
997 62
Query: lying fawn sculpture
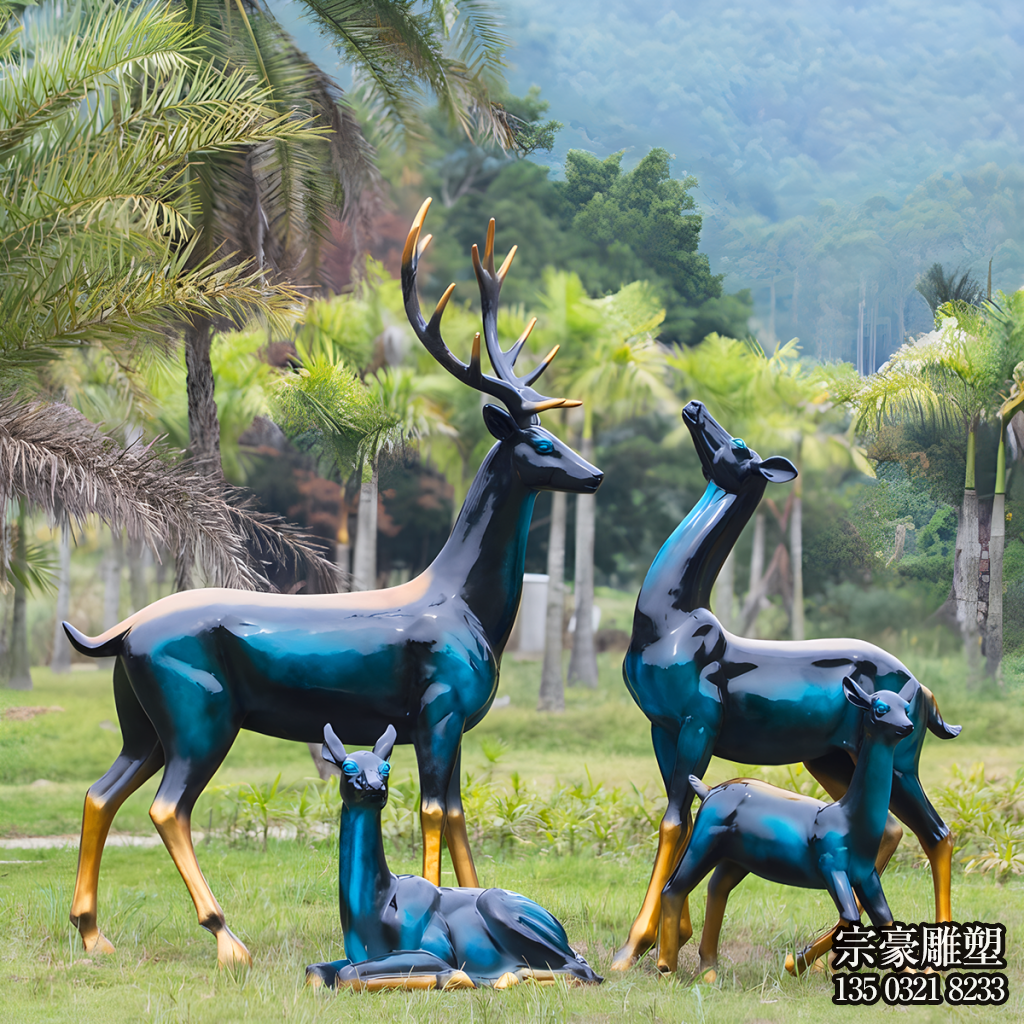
708 692
745 826
194 668
401 931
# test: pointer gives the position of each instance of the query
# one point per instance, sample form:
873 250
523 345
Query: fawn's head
364 773
541 460
727 461
885 712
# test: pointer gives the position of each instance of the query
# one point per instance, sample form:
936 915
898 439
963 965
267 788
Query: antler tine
430 333
489 247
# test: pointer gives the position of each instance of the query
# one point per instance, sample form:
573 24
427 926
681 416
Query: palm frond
60 462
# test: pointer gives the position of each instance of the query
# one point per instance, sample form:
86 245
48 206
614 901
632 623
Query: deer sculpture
707 691
401 931
748 826
194 668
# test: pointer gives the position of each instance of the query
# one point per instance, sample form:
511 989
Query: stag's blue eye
349 767
881 707
384 769
543 446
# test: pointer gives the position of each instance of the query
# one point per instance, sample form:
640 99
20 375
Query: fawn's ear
333 749
777 470
499 423
855 695
909 691
382 748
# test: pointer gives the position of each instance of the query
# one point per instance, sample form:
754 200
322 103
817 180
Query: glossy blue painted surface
403 925
707 691
797 840
196 667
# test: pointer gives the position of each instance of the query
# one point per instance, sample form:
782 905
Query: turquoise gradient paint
710 692
403 926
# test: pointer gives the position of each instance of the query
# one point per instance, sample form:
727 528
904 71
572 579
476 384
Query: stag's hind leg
455 831
140 758
833 772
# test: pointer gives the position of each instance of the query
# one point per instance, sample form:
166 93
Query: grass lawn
283 902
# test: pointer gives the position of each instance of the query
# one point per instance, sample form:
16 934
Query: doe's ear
382 748
499 423
855 695
333 749
777 470
909 691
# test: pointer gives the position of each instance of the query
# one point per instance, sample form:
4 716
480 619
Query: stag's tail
699 788
106 645
940 728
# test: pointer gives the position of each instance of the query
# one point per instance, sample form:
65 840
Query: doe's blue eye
385 769
349 767
881 707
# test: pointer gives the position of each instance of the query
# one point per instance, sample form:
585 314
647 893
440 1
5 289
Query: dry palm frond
64 464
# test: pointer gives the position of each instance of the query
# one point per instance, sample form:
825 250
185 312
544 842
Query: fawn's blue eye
738 442
384 769
543 446
349 767
881 707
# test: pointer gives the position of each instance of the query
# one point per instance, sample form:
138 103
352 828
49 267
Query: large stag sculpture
707 691
194 668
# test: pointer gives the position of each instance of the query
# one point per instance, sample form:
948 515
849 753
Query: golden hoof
507 980
459 979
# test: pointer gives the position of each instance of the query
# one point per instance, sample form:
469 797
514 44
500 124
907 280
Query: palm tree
270 202
953 379
93 208
611 359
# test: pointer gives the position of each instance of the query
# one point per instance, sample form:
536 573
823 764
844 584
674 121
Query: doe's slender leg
724 879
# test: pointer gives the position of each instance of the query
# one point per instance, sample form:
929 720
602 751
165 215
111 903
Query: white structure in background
528 632
595 619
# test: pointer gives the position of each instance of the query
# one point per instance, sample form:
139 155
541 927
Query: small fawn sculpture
745 825
707 691
401 931
194 668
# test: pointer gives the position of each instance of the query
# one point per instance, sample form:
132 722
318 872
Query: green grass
283 902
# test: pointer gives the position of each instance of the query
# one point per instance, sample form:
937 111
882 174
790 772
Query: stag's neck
866 802
363 874
485 555
688 563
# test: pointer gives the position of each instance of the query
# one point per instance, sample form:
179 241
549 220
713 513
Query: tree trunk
138 585
583 662
112 583
343 560
203 425
364 561
965 578
60 657
994 624
771 313
860 328
723 596
552 690
21 673
796 557
747 625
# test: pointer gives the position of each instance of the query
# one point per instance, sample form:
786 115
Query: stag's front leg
437 738
455 830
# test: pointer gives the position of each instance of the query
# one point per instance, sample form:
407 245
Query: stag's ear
777 470
499 423
382 748
334 749
909 691
855 695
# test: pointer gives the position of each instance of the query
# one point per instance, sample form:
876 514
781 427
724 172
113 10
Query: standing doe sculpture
708 692
401 931
194 668
748 826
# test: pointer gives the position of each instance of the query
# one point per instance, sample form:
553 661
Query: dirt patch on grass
28 712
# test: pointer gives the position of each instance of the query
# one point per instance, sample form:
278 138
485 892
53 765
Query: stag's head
727 461
364 773
541 460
